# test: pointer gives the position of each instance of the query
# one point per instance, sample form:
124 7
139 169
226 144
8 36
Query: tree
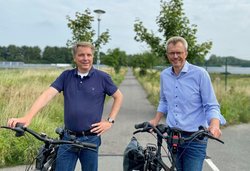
115 58
31 54
57 55
82 30
172 22
143 61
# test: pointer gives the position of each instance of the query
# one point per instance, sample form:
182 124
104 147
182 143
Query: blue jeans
67 155
191 155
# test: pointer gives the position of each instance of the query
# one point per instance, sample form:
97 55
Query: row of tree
34 54
226 60
113 57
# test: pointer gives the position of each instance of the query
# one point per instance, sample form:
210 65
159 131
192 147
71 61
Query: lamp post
99 12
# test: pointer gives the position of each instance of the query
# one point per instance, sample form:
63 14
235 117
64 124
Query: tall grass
234 99
18 90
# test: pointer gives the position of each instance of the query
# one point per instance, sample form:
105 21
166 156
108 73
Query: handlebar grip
20 125
19 129
141 125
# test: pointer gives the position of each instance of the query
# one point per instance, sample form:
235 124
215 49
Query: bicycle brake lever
209 135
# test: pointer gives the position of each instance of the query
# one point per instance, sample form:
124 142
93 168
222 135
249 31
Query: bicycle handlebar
161 129
20 131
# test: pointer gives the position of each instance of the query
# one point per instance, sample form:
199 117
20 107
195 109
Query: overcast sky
43 22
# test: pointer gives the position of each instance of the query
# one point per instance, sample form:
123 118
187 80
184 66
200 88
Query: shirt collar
185 67
91 72
183 70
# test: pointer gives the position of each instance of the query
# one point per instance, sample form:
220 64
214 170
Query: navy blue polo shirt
83 97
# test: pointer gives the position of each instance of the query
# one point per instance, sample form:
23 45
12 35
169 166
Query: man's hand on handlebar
214 128
13 121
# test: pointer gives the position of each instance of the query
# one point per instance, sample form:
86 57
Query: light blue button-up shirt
188 100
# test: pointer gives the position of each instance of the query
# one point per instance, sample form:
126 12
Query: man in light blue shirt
188 101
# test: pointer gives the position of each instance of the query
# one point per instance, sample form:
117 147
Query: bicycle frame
173 138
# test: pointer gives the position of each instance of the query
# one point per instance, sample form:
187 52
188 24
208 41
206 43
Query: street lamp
99 12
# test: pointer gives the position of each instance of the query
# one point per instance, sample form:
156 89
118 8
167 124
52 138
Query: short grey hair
82 44
175 40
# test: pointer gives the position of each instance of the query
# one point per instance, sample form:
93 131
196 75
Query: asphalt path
234 155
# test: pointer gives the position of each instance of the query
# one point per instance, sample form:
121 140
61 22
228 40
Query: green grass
19 88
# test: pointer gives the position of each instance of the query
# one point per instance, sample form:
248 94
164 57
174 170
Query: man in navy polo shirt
84 89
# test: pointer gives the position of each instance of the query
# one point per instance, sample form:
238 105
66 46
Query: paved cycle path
232 156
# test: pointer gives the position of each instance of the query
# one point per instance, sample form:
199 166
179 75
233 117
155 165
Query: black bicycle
47 154
137 158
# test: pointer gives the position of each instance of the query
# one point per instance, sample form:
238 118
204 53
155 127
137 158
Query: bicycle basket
46 158
133 157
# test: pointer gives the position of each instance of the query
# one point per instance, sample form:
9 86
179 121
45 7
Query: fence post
226 74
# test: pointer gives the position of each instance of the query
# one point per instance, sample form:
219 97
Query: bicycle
137 158
47 154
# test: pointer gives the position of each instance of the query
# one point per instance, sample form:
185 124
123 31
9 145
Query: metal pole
98 51
99 12
226 76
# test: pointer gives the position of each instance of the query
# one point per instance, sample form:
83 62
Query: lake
230 69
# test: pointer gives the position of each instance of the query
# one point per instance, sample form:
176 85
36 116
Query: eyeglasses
175 53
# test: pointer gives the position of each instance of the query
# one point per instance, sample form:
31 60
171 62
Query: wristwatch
110 120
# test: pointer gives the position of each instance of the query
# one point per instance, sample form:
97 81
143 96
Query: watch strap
110 120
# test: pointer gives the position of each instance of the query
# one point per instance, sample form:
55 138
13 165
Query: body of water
230 69
222 69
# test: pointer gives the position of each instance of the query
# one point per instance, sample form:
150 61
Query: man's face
84 59
177 54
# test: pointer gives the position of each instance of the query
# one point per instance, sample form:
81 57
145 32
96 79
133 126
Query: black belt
185 133
81 133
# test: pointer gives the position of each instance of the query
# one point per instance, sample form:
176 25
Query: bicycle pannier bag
133 157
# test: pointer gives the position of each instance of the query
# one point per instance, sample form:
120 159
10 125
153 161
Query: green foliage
150 82
172 22
35 55
24 53
230 60
115 58
82 30
57 55
16 151
235 107
143 61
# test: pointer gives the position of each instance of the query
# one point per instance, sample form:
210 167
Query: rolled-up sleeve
210 103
